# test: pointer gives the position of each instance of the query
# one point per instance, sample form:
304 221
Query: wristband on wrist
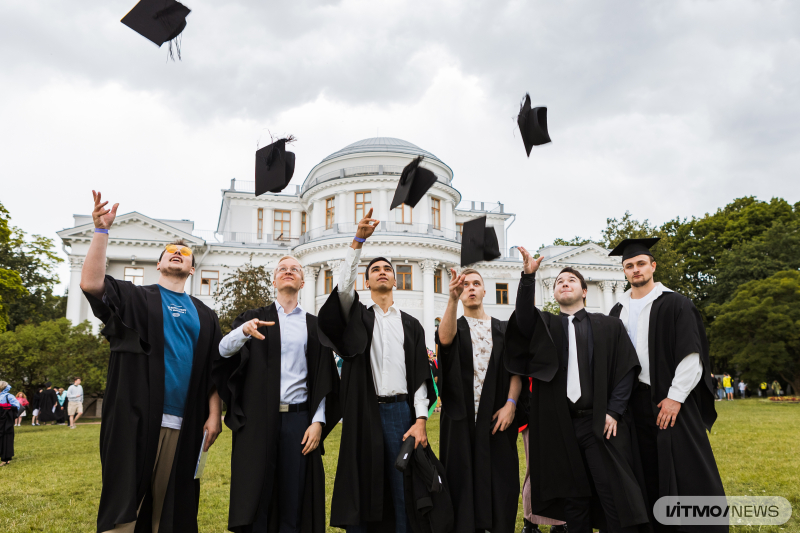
359 239
101 230
512 401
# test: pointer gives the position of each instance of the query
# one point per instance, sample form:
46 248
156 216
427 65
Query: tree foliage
758 330
34 261
247 287
56 351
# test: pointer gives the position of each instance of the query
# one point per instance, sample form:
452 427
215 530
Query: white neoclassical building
317 221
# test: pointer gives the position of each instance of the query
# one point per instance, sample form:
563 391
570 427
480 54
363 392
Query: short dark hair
377 259
179 242
570 270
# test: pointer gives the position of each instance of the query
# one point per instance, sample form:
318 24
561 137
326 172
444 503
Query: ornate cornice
428 266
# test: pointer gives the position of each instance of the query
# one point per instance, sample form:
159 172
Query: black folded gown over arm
482 469
133 405
360 491
48 402
249 383
535 348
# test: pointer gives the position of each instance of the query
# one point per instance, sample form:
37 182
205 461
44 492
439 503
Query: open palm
102 217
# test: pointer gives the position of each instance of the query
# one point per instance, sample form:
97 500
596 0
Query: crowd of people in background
725 385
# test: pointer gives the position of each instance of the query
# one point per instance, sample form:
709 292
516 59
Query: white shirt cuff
319 416
687 376
421 401
233 342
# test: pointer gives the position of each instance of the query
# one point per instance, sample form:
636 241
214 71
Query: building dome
381 144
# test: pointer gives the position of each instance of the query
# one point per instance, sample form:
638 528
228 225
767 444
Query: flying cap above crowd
532 125
158 20
274 166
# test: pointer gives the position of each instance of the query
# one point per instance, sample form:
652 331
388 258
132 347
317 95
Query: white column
608 297
310 289
341 208
620 290
75 294
269 223
428 318
295 224
383 206
448 215
548 290
424 211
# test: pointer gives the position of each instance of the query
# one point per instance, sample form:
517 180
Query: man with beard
386 390
281 388
159 400
479 425
673 399
583 367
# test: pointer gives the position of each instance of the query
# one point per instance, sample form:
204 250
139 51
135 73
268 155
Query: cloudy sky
663 108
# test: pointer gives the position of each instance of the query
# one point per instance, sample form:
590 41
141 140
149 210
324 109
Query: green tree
247 287
552 307
758 330
34 261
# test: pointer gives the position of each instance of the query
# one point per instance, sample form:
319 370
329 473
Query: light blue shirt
294 366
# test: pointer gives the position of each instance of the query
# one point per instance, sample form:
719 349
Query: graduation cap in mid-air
274 167
414 183
158 20
532 124
478 242
633 247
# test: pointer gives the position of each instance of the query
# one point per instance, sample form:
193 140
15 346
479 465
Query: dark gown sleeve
692 338
451 387
115 311
346 338
627 361
529 349
526 304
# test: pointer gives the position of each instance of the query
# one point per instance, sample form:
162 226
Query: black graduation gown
360 491
482 469
8 414
36 401
46 404
133 405
250 384
556 468
686 463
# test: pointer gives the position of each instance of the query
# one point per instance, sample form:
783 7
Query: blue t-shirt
181 329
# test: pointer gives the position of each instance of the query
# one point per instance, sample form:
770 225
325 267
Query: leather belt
293 407
393 399
580 413
641 385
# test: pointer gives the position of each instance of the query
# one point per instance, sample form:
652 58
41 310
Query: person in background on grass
742 388
160 406
23 402
61 412
9 407
47 407
776 388
727 382
715 384
36 402
75 397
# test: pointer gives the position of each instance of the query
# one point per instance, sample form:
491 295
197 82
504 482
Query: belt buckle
284 408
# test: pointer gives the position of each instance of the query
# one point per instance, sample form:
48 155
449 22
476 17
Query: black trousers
641 406
290 476
578 510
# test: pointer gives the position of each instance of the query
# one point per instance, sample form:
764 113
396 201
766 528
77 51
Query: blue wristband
101 230
512 401
359 239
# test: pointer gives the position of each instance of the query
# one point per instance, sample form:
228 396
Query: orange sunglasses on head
184 250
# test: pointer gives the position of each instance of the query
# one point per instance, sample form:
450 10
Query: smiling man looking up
281 388
159 398
386 390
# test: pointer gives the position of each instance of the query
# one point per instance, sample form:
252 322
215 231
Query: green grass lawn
53 483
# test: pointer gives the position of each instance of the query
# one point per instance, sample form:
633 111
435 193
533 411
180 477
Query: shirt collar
297 309
657 291
580 315
378 310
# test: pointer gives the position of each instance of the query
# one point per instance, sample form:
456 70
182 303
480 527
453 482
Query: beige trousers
167 443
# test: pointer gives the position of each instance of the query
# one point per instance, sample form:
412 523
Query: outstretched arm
94 265
347 278
525 306
448 326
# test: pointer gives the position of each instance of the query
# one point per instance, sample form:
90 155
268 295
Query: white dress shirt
636 317
294 367
387 356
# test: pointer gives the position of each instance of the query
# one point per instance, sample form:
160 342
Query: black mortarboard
633 247
478 242
414 183
532 125
158 20
274 167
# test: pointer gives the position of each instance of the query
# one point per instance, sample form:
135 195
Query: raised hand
250 328
456 284
529 264
102 217
367 226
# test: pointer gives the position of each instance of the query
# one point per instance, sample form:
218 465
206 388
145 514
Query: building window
303 222
404 277
328 281
330 212
436 213
135 275
209 281
363 204
260 223
283 225
501 291
402 214
437 281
